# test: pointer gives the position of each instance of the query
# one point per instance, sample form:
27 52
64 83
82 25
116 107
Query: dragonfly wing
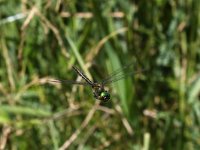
116 72
121 76
68 82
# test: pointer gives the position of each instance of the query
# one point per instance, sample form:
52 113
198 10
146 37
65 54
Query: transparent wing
121 76
68 82
118 71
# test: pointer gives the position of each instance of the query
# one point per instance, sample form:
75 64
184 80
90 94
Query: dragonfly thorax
104 96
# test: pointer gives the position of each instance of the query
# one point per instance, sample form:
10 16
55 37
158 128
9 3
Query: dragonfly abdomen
83 76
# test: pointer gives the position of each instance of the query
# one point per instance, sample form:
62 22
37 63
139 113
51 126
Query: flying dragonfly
98 88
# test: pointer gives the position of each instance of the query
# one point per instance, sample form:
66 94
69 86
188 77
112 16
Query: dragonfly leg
96 95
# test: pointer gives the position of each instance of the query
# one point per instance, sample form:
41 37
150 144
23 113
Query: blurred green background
156 109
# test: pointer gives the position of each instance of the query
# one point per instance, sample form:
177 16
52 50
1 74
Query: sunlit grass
156 109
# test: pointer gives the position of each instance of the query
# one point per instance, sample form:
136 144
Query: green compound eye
105 96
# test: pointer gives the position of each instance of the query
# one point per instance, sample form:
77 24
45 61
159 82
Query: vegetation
155 109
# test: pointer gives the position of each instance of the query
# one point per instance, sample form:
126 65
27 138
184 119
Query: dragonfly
98 88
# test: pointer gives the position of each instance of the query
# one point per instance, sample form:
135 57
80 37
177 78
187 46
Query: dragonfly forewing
121 76
120 70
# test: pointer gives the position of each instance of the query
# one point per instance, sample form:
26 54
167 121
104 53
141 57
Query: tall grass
156 109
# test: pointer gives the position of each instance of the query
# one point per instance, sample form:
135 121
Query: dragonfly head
100 93
104 96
